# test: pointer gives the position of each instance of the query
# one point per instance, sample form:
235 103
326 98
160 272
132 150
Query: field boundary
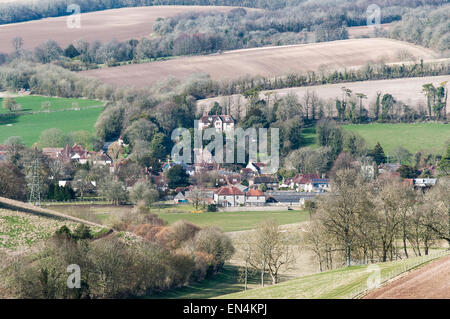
27 208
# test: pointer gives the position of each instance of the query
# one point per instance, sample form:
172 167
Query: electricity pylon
35 185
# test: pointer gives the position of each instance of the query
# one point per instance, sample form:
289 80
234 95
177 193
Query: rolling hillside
266 61
120 24
22 226
348 282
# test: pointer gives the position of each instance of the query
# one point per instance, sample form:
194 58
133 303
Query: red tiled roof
227 191
305 178
255 192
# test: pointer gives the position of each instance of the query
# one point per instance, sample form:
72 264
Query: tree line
375 221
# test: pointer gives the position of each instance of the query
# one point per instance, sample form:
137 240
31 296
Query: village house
269 181
317 185
300 181
222 123
423 183
76 153
229 197
255 197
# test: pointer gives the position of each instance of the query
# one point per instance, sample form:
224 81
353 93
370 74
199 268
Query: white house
318 185
222 123
255 197
229 196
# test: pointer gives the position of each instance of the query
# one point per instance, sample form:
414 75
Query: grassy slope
30 126
236 221
430 137
225 282
339 283
22 230
34 103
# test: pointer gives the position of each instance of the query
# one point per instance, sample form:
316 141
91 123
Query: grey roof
179 196
290 196
265 180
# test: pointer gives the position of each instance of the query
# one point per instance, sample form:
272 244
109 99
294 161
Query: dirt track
429 282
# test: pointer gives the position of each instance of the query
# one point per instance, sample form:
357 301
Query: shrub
180 232
212 208
213 241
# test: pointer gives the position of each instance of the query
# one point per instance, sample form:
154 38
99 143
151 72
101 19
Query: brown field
407 90
267 61
120 24
364 31
429 282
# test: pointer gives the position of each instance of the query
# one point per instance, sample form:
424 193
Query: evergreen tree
177 177
407 171
378 154
71 52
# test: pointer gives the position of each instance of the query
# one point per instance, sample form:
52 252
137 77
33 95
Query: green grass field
429 137
335 284
30 126
236 221
34 103
228 221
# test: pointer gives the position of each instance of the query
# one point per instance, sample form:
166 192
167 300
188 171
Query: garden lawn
428 137
30 126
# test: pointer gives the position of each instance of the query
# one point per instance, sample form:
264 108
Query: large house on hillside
222 123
